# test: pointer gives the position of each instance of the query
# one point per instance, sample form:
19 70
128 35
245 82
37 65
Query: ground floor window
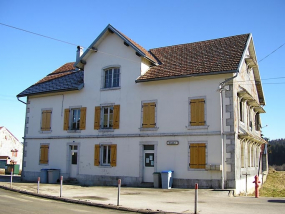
105 155
44 154
197 155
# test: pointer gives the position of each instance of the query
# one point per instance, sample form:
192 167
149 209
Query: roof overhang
244 94
251 137
94 46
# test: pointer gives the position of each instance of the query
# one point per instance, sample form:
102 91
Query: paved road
11 202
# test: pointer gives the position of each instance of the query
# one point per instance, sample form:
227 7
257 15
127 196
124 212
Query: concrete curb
67 200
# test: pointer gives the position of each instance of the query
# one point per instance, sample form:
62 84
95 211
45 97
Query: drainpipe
221 89
21 100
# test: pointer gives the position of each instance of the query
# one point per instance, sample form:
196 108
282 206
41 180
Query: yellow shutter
66 119
44 154
43 125
193 154
82 124
97 155
145 122
151 112
97 117
197 107
116 117
113 155
201 155
46 119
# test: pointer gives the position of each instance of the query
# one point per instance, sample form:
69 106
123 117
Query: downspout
24 144
221 89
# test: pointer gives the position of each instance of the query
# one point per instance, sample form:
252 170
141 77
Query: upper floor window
75 118
197 112
241 111
149 115
257 122
111 77
107 117
46 120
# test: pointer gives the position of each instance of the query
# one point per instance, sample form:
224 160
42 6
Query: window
105 155
14 152
44 154
249 119
241 111
197 155
107 117
75 119
257 122
197 112
46 120
149 115
111 78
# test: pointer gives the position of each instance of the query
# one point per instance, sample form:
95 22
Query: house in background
121 111
11 150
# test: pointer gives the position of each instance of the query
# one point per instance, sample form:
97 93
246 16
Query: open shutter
97 155
97 117
82 124
116 117
201 155
151 112
113 155
66 119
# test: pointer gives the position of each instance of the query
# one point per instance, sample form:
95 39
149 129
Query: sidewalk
146 200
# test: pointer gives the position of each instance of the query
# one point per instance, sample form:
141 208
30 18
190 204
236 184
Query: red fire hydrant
257 182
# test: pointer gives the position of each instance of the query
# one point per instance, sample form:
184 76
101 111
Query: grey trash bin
53 176
44 176
156 180
166 179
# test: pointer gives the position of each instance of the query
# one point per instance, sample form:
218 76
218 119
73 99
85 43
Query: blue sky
26 58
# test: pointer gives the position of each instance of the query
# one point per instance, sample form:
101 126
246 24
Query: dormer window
111 78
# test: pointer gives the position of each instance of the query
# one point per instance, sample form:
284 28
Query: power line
272 52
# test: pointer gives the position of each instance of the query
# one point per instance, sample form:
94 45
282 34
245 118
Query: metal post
11 178
39 179
196 199
61 179
119 188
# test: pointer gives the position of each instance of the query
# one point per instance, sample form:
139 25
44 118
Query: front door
73 161
148 168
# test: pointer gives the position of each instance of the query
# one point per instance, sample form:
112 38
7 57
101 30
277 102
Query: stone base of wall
190 183
30 176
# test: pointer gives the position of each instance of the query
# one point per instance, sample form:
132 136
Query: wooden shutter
46 120
197 107
44 154
113 155
116 117
197 155
97 117
66 119
97 155
82 124
148 115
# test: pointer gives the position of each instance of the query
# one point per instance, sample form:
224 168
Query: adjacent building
121 111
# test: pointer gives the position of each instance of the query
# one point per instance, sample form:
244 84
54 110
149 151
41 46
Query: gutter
21 101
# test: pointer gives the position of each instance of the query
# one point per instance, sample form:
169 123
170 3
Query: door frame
68 157
141 157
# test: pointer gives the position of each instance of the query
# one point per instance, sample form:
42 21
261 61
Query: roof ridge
202 41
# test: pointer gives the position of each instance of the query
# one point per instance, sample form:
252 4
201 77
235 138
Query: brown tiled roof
140 48
60 72
210 56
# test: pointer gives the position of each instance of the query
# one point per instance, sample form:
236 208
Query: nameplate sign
172 142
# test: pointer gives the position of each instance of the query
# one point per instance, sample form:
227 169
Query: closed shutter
66 119
44 154
197 107
46 120
116 117
149 115
97 155
197 155
82 124
113 155
97 117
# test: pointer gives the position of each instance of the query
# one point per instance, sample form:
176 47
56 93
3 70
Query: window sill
190 169
73 131
149 129
45 132
112 88
106 130
43 164
197 127
105 166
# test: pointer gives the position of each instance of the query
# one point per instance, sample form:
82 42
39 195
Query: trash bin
53 176
9 168
156 180
44 176
166 179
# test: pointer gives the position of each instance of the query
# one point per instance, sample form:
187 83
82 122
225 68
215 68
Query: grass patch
274 185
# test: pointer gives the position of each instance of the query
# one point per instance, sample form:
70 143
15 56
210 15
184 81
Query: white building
11 150
121 111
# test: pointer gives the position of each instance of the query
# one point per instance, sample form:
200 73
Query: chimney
79 53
